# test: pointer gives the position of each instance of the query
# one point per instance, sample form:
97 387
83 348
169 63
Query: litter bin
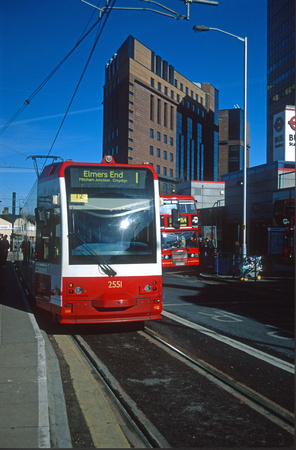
223 263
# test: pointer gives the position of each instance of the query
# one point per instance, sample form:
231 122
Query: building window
158 136
178 98
151 132
172 94
166 90
158 169
181 87
171 157
172 119
235 158
151 150
158 111
152 62
236 125
151 107
158 153
165 138
165 115
158 65
165 70
164 170
152 82
171 74
159 86
171 173
165 155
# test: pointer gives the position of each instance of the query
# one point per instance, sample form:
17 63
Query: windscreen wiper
102 264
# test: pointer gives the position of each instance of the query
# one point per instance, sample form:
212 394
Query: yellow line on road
103 426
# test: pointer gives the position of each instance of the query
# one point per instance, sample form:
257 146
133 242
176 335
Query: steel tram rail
147 431
283 417
142 426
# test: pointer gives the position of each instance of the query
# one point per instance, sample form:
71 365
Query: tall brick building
153 113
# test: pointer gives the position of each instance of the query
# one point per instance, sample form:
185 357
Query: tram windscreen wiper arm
102 264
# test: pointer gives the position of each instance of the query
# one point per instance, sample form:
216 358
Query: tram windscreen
111 215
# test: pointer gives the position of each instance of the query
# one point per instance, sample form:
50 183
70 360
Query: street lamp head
205 2
199 28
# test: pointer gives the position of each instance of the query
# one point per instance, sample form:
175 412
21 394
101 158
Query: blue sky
36 36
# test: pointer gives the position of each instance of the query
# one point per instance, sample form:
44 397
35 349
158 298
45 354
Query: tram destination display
91 177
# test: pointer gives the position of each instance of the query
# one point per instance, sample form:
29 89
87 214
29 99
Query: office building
280 63
231 140
155 114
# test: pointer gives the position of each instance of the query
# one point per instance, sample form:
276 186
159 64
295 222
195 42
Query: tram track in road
116 380
144 432
254 399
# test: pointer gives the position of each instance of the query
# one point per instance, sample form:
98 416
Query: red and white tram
96 253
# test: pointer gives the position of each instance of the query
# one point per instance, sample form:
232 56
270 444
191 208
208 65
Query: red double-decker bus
179 223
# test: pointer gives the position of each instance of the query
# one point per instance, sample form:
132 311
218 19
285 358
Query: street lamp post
199 28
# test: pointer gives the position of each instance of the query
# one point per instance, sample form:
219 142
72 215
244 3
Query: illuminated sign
284 135
183 221
94 177
79 198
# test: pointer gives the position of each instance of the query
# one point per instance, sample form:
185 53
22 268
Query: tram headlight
148 288
78 290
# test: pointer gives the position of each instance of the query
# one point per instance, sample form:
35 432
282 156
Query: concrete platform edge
54 431
59 427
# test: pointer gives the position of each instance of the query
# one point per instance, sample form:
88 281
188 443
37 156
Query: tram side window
48 241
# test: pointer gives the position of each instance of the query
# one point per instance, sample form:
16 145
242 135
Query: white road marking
235 344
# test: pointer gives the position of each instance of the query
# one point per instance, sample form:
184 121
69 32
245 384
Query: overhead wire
106 16
38 89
